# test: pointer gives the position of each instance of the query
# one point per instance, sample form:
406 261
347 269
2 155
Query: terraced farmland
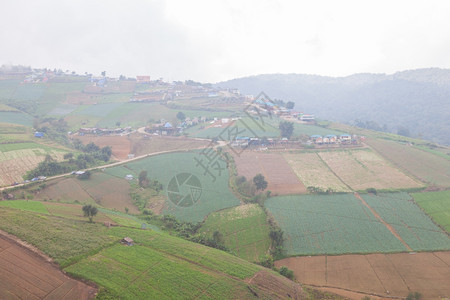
414 226
424 165
17 159
362 169
312 171
436 205
214 195
278 173
245 230
340 224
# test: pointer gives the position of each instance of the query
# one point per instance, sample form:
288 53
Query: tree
118 124
260 182
143 180
68 155
181 116
218 237
90 211
104 73
290 105
286 128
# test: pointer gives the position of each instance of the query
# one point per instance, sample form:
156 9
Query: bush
286 272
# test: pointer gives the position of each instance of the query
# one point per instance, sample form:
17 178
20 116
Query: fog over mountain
414 102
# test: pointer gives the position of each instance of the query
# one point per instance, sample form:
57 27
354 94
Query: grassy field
337 224
312 171
62 239
362 168
410 222
15 117
245 230
436 205
426 166
215 194
156 266
35 206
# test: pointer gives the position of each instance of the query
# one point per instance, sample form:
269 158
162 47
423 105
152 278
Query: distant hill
415 102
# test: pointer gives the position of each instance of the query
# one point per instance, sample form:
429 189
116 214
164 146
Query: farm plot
424 165
15 163
324 224
102 189
26 275
385 275
120 145
362 169
210 193
279 175
436 205
244 228
312 171
151 144
409 221
16 117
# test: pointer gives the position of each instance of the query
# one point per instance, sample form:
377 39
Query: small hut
127 241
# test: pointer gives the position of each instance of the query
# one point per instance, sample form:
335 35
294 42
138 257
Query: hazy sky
218 40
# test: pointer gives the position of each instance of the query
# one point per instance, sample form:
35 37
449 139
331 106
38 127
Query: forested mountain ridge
414 102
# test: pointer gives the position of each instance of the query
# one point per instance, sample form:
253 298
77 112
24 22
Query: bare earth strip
279 175
313 172
362 169
26 275
385 275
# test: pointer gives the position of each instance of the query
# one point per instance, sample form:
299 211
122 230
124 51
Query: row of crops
337 224
414 226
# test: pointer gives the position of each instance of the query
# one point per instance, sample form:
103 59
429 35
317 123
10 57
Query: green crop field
163 267
15 117
337 224
156 266
245 230
436 205
98 110
35 206
62 239
214 196
410 222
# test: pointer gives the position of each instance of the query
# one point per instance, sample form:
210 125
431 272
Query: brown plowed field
386 275
26 275
279 175
120 145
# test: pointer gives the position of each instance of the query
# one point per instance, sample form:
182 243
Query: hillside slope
416 101
156 266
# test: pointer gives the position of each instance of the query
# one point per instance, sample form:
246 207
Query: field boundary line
388 226
329 168
375 272
353 291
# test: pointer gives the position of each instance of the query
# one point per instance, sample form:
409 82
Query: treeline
186 230
91 155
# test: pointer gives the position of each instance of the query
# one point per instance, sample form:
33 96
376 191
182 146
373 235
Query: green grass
164 267
22 146
245 230
63 239
15 117
215 193
302 129
35 206
436 205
